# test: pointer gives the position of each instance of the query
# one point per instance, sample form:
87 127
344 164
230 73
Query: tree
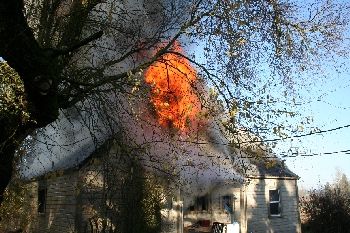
52 46
327 209
342 182
126 199
17 209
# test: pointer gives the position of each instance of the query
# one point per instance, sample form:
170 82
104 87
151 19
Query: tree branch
60 52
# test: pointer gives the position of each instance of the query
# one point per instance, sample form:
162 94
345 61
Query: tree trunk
34 64
35 67
38 68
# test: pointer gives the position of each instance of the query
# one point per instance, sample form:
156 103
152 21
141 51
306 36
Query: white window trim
279 204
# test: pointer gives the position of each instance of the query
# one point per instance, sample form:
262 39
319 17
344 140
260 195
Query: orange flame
172 81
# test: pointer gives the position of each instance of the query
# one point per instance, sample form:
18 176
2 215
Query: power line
298 136
296 154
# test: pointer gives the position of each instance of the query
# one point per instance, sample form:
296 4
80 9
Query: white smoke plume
200 160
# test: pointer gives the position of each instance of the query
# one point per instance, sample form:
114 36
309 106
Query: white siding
256 201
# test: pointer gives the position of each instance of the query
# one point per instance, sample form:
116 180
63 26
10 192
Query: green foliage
13 111
142 210
12 101
327 209
16 209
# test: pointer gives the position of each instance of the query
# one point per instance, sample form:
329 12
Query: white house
92 197
169 185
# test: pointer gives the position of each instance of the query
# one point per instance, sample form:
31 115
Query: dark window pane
41 200
202 203
227 200
227 203
274 195
274 209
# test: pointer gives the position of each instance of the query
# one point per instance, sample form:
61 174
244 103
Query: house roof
263 161
213 155
279 170
73 166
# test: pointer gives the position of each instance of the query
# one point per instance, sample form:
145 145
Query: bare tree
66 51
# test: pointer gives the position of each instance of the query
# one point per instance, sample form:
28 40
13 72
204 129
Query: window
42 200
227 204
275 203
201 204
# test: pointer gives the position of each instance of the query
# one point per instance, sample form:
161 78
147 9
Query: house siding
256 202
102 194
95 196
60 208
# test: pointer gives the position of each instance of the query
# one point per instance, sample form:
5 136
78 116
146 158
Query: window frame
279 207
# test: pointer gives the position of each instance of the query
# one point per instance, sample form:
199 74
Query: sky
327 101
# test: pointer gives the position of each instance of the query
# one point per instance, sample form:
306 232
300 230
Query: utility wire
265 140
298 136
296 154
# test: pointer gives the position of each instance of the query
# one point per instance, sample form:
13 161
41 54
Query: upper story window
275 202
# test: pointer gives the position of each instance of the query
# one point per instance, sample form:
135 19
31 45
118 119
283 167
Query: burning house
166 170
155 160
110 191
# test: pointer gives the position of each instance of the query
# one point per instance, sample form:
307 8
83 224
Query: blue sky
327 101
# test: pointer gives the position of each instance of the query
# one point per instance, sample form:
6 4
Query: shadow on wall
109 193
56 204
116 195
272 206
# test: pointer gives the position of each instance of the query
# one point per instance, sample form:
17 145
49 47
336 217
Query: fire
172 80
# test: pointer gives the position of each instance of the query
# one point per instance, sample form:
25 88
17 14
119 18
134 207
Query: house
110 191
266 202
114 189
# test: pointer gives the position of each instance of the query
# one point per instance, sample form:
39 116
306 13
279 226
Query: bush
326 210
16 211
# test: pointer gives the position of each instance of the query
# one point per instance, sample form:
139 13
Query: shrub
326 210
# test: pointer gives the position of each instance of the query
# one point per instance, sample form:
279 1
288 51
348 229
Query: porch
216 227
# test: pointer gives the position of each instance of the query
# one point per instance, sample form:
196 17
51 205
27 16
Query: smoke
198 159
